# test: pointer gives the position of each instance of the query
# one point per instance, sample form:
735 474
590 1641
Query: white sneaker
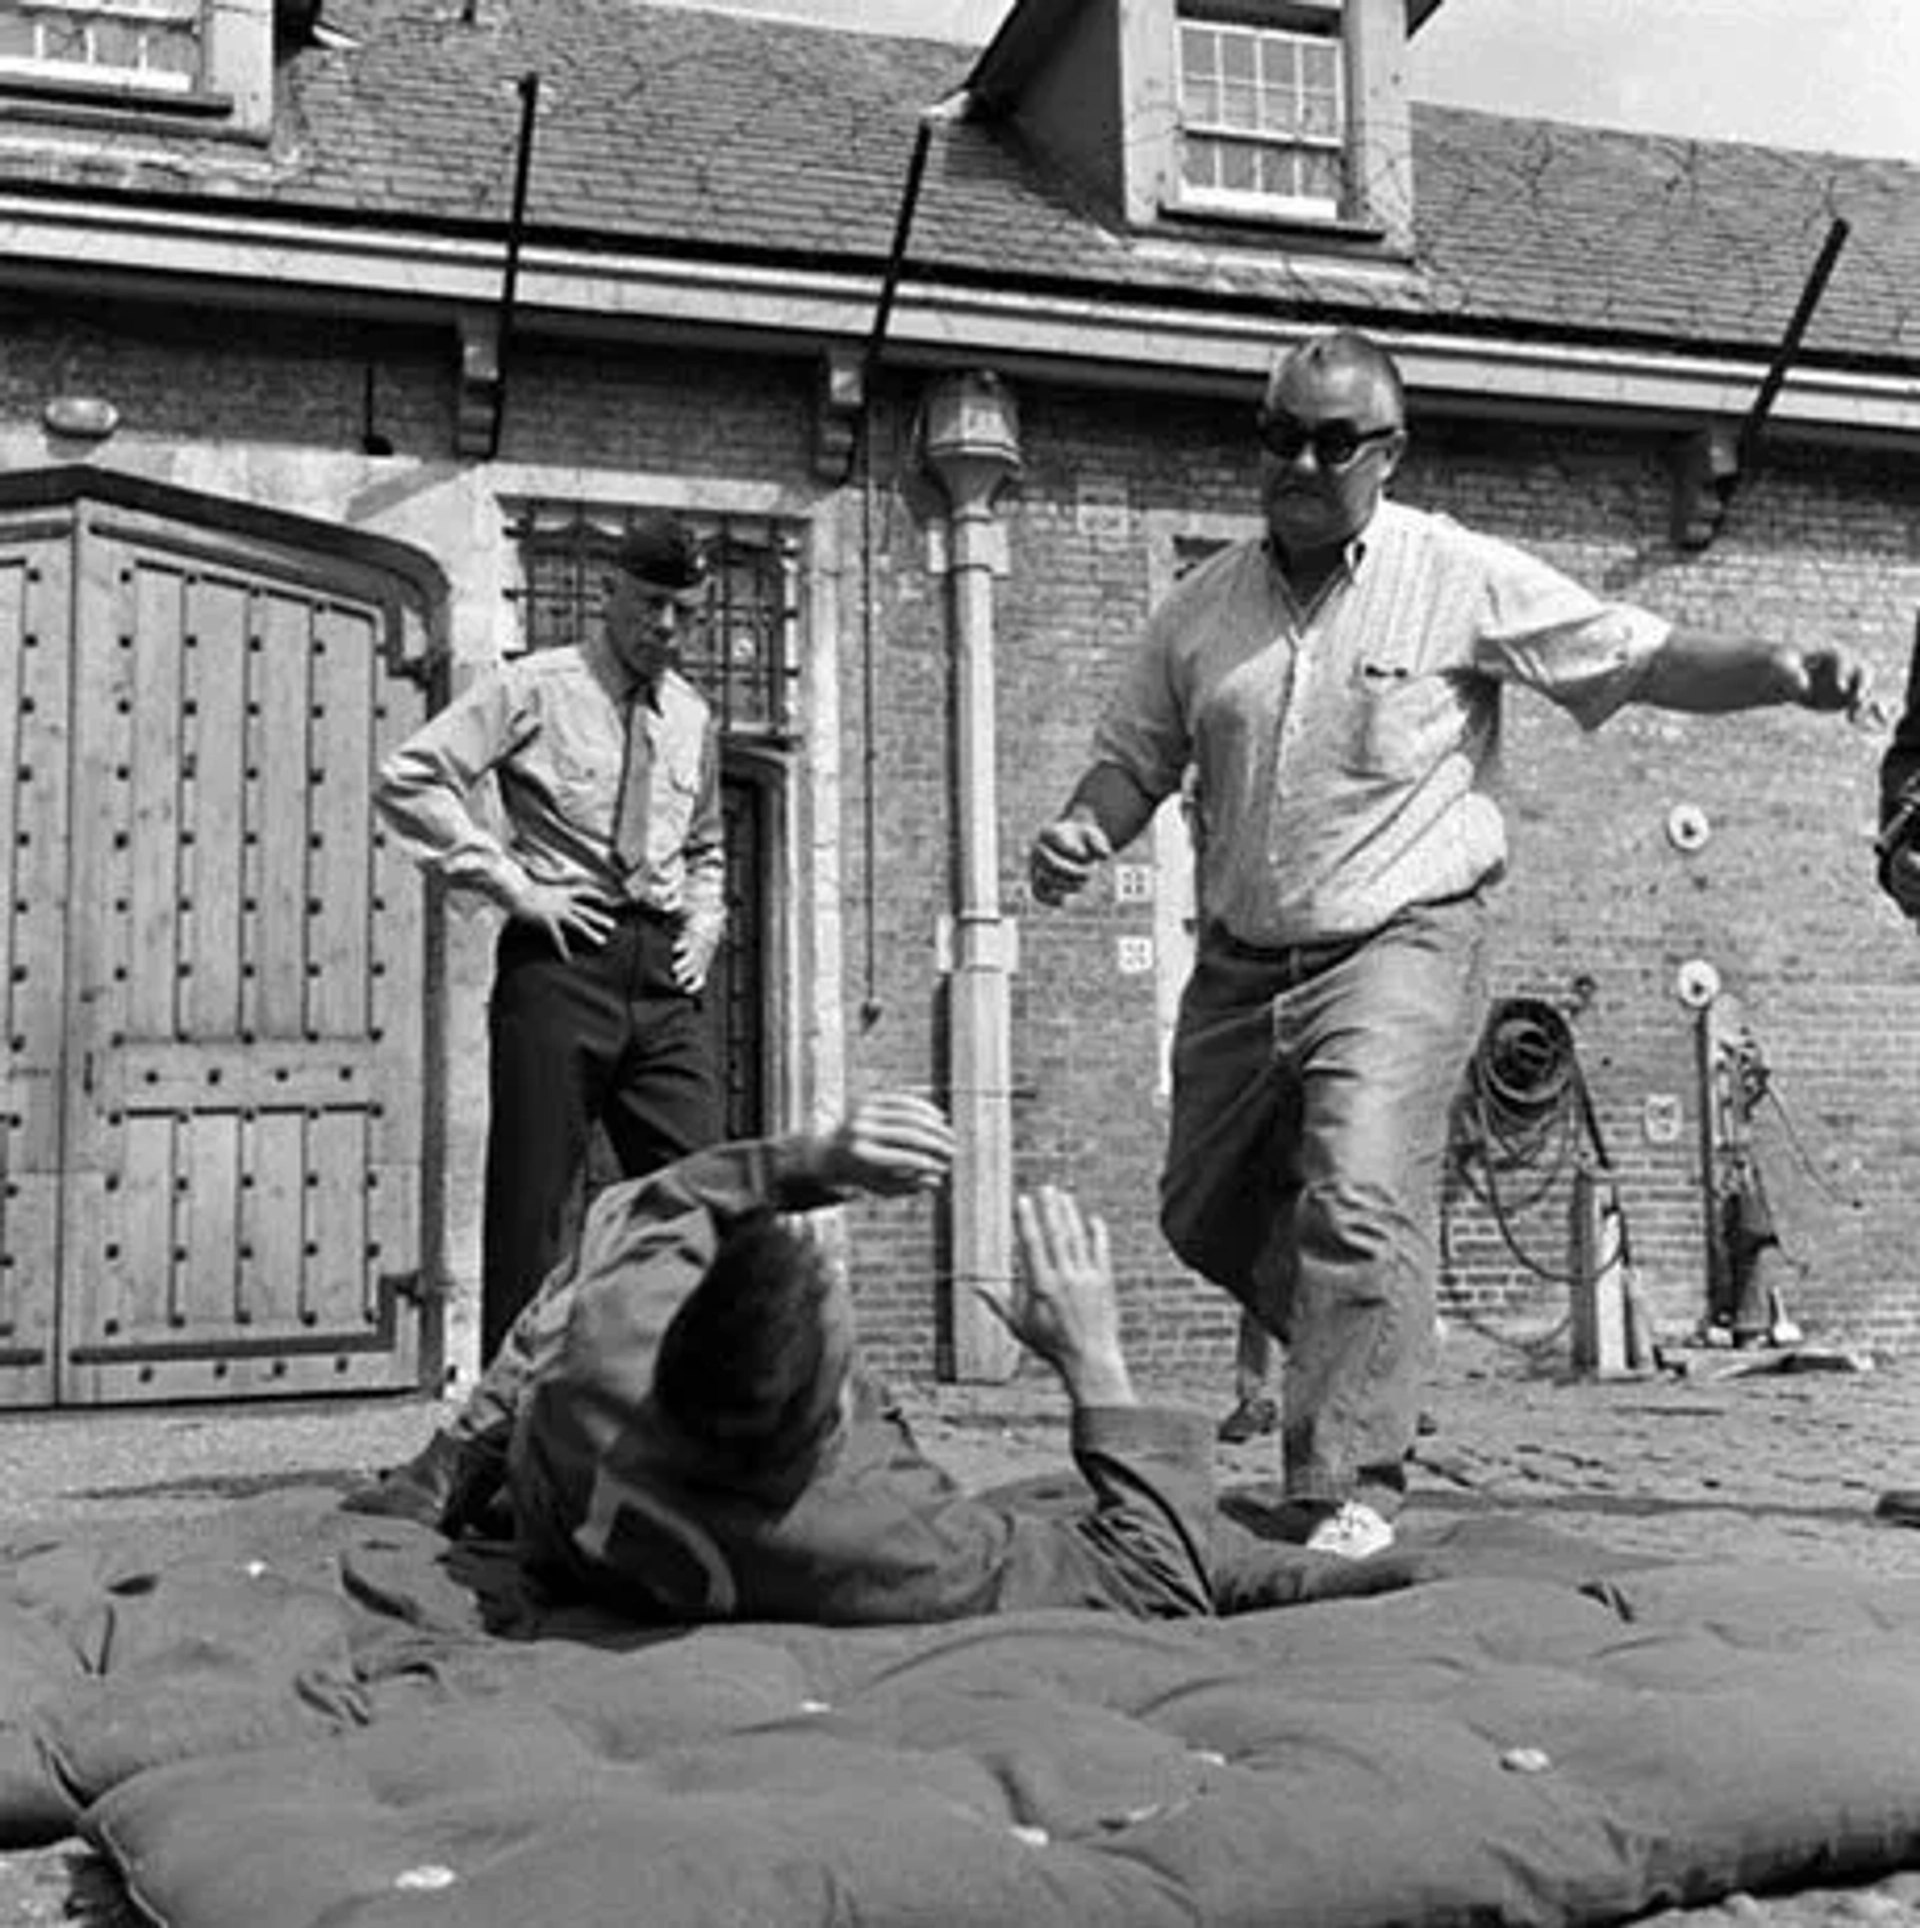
1354 1532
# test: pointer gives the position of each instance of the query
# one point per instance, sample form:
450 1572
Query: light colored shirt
1346 756
551 728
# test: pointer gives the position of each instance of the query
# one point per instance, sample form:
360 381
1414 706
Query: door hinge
411 1286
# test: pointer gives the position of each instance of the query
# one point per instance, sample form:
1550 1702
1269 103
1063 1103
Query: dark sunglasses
1335 445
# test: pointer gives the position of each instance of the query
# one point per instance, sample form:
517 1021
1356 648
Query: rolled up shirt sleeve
1144 729
1544 631
426 790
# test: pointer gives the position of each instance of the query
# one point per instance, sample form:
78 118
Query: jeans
1312 1088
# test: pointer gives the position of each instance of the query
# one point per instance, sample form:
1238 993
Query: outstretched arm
1063 1306
1701 671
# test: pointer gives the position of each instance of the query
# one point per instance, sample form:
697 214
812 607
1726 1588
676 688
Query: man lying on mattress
686 1433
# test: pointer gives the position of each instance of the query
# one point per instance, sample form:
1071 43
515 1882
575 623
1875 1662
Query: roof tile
672 128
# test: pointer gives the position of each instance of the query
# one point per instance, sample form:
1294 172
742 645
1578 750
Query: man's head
656 585
756 1359
1332 428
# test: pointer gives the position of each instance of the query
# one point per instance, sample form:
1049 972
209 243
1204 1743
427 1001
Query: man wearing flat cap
607 857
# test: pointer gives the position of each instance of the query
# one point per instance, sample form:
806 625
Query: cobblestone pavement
1745 1456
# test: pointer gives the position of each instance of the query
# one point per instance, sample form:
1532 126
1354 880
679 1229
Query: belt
633 911
1295 962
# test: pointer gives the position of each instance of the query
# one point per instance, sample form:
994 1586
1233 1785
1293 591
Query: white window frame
133 14
1328 48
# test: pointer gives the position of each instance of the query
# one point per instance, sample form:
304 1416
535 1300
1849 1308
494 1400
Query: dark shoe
420 1490
1900 1507
478 1502
1249 1419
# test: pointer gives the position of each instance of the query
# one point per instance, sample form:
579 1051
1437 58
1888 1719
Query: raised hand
891 1143
1062 1305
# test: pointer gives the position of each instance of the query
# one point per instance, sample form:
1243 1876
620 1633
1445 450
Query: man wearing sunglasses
1334 689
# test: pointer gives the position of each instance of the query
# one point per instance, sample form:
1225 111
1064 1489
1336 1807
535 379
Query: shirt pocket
586 775
1401 720
676 793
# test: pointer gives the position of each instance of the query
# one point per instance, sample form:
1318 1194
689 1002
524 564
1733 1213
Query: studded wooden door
214 968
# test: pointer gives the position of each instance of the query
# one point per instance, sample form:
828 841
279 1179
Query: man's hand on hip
694 946
570 914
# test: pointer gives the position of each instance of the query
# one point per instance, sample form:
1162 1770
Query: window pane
1279 60
174 52
1320 176
1240 106
63 40
1279 172
1237 56
1198 162
1200 100
1198 51
1320 117
16 37
1279 113
1238 167
115 44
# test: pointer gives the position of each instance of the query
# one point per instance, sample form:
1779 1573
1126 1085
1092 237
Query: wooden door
217 969
36 602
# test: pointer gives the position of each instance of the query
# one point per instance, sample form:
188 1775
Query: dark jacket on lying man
693 1440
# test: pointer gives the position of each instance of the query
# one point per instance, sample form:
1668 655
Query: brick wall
1601 908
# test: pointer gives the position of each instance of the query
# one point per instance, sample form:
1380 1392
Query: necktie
636 770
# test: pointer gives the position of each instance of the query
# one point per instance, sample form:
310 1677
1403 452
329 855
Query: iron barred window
744 659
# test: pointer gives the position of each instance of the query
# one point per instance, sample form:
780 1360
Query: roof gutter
1134 339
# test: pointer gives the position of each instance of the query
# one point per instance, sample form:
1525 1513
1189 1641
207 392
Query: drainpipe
516 234
970 440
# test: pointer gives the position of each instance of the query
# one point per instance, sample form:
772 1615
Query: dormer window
139 44
1262 111
153 64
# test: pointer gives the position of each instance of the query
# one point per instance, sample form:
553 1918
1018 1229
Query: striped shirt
1346 756
551 728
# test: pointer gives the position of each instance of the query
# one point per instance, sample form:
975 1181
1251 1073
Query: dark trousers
606 1037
